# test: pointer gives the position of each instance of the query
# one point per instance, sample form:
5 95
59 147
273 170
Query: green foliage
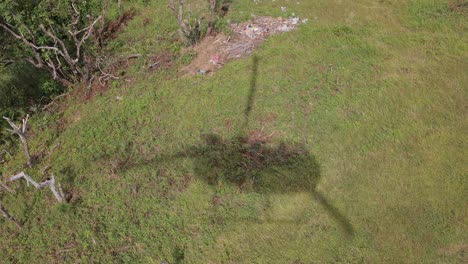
433 15
50 87
187 57
25 15
175 48
45 28
23 89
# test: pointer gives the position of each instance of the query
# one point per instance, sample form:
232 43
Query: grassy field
366 109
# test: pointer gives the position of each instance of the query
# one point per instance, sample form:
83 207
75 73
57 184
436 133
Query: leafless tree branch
178 12
105 76
39 185
53 102
119 4
59 49
211 19
21 132
5 63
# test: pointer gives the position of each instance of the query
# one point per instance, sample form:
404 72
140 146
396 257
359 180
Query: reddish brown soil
214 51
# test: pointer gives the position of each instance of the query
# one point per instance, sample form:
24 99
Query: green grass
375 93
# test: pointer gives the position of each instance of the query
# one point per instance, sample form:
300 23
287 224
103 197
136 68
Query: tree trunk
24 141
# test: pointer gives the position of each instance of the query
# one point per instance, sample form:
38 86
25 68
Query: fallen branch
5 63
105 76
21 132
153 65
5 214
49 183
53 102
134 56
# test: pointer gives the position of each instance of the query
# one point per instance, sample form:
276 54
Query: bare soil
113 27
214 51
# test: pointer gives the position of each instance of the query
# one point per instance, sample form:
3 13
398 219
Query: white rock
284 28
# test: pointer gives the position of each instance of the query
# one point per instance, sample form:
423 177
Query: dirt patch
113 27
214 51
160 60
460 6
216 201
457 251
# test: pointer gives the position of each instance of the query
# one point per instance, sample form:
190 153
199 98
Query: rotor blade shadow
252 90
340 218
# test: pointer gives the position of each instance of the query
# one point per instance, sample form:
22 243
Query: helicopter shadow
257 165
254 163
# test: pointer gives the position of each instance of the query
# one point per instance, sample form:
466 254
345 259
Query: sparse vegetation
340 142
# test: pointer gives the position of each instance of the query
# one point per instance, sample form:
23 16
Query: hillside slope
358 123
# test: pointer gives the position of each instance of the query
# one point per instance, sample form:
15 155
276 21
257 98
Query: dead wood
57 191
21 132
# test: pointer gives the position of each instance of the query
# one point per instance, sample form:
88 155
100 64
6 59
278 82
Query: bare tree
189 30
178 12
212 15
20 130
66 63
58 193
119 4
